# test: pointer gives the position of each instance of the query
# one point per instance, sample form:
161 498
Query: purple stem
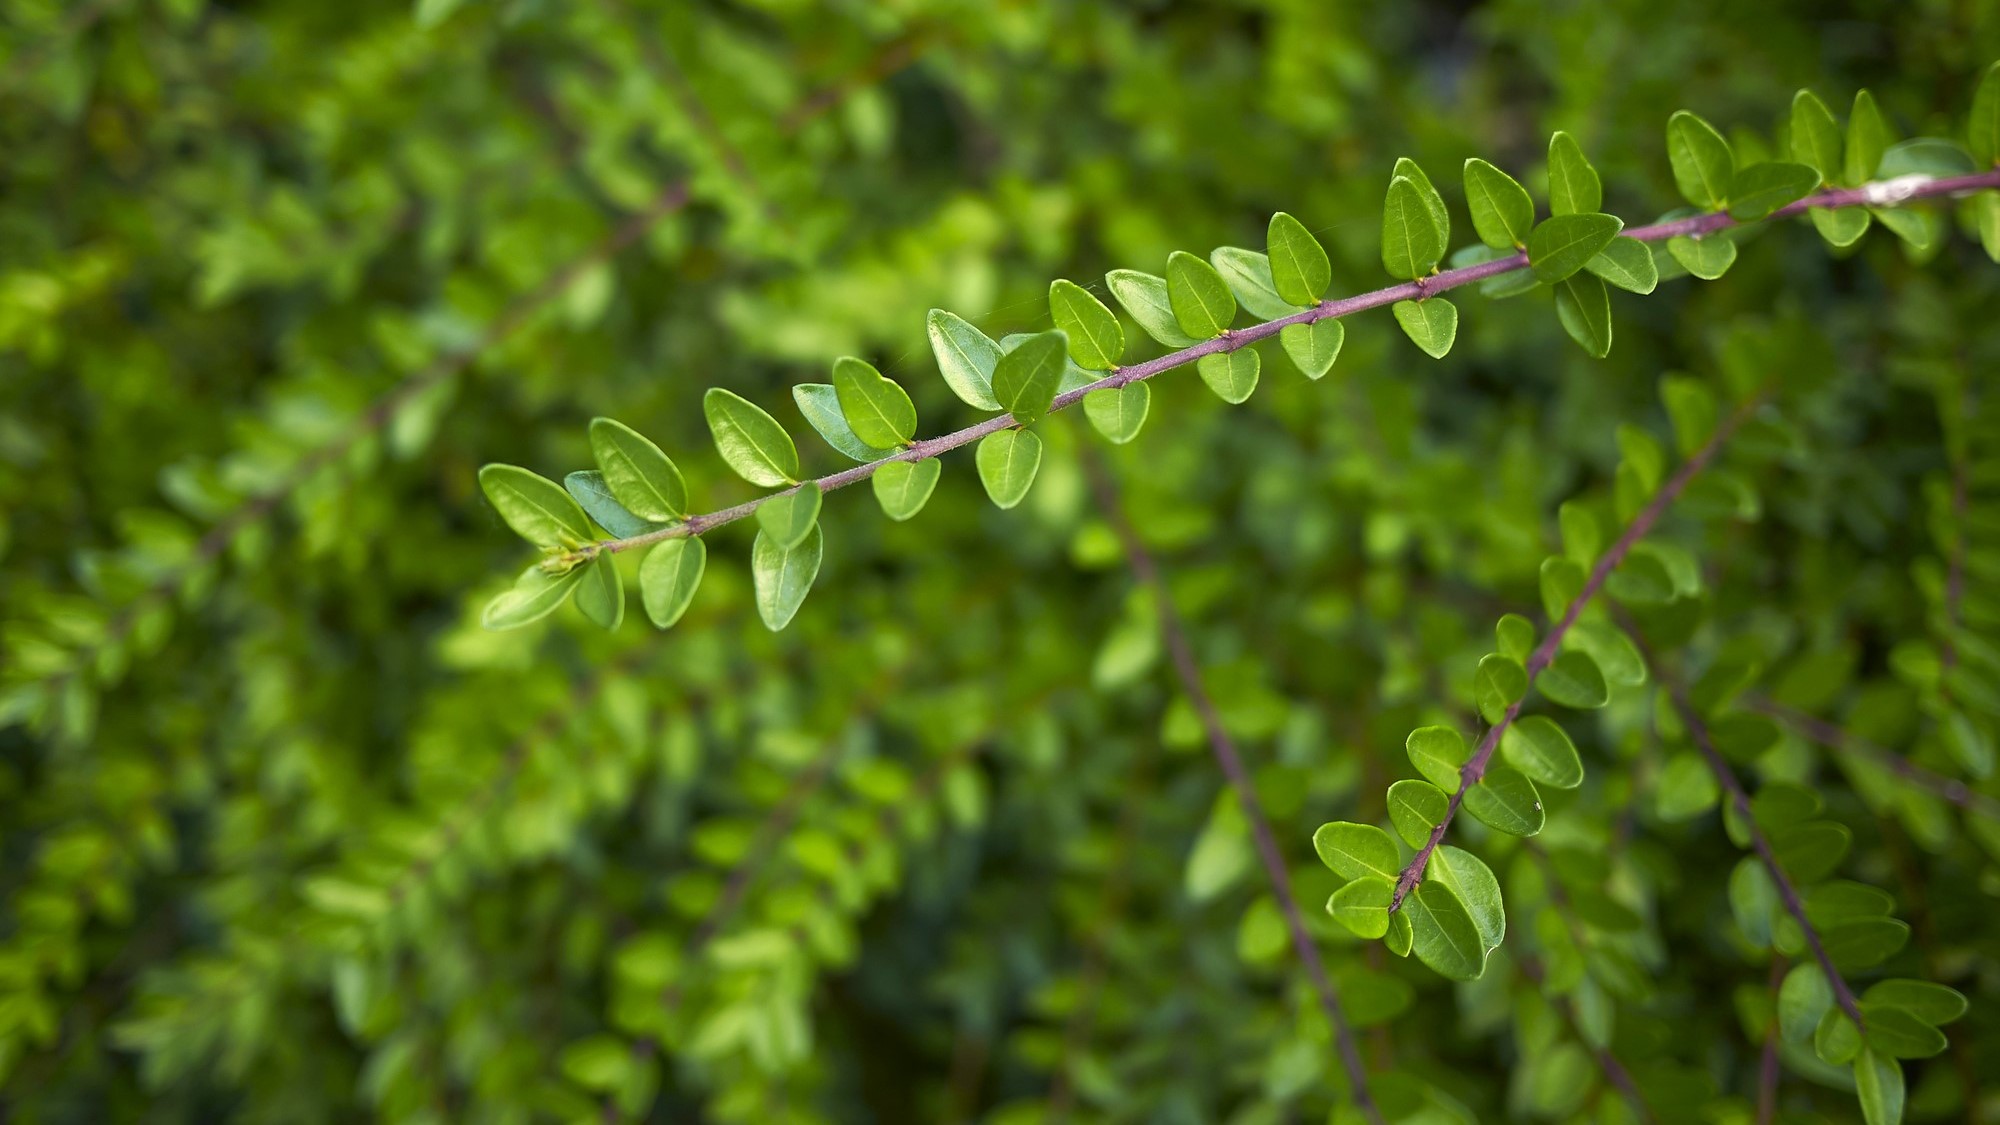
1545 653
1834 738
1885 193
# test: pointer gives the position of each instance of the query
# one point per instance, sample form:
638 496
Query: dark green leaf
587 487
1573 679
1539 747
1982 131
1145 297
1096 340
1024 381
1763 188
1897 1034
668 577
1935 1004
1815 135
1437 752
1497 684
600 593
1868 137
1473 884
1707 258
751 441
1506 801
1299 267
1417 807
1562 244
784 576
1410 243
1502 213
1433 202
641 477
1202 304
1007 463
789 517
1443 934
820 403
1231 375
1248 275
878 411
1628 264
1687 788
1314 347
1573 185
1864 944
1704 168
1584 307
1430 324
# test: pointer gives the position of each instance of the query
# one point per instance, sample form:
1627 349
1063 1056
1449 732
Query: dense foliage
1012 791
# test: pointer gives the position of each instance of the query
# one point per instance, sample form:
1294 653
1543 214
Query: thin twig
1837 739
1767 1066
1188 671
1902 190
1545 653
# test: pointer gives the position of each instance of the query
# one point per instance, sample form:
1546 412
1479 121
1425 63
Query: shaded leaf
878 411
535 595
1145 298
668 577
600 592
783 576
1539 747
820 403
1628 264
1024 381
1248 275
1562 244
965 357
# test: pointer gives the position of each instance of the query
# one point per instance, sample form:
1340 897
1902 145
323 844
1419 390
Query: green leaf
1506 801
878 411
1497 684
965 357
1868 137
1024 382
1573 185
1314 347
1583 306
588 489
1878 1081
1866 943
1231 375
1935 1004
1687 788
1704 168
820 403
1982 131
1707 258
1362 906
1433 202
599 1063
1898 1034
1815 136
1410 243
1118 412
1763 188
1515 635
1562 244
668 577
789 517
1836 1040
600 594
1502 213
1573 680
783 576
902 487
1562 582
1811 851
1430 324
1539 747
1437 752
1986 213
536 507
1007 463
1399 937
638 474
1616 656
1199 297
751 441
535 595
1417 807
1096 340
1145 297
1443 934
1356 851
1248 275
1473 884
1753 898
1628 264
1803 1001
1299 268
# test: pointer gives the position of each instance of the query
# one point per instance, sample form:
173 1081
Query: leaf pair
1452 921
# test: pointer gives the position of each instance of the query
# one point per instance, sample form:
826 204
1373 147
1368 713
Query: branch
1767 1065
1189 674
1740 798
1545 653
1613 1070
1903 189
1834 738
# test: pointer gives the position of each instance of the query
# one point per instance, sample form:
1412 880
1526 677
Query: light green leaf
1202 304
1628 264
600 1063
1843 227
1314 347
1096 340
1562 244
1299 268
1815 136
1430 324
1803 1000
600 593
1704 168
1763 188
1118 412
1515 635
1356 851
1573 185
902 487
1687 788
1473 884
1982 131
1410 243
1433 202
1417 807
878 411
1583 306
965 357
637 473
1231 375
1362 906
1145 298
1007 463
1878 1081
536 507
1573 679
1539 747
535 595
783 576
1562 581
1437 752
1707 258
668 577
1398 939
1752 900
1502 213
1613 651
1836 1039
1868 137
751 441
1497 684
1248 275
1221 855
587 487
820 403
1443 934
1024 382
789 517
1506 801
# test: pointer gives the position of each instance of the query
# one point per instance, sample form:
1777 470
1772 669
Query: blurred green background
289 838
